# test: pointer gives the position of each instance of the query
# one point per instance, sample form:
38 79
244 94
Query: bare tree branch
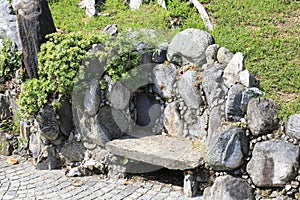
203 14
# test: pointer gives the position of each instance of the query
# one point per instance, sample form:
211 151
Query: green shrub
10 59
60 59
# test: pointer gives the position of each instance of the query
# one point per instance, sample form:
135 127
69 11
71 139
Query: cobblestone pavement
23 181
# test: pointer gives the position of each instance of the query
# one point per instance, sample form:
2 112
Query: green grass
265 31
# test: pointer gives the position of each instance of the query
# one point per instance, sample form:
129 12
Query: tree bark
35 22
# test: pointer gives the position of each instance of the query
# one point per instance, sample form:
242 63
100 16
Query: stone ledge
168 152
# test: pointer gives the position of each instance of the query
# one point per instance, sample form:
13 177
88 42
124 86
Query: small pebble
288 187
295 184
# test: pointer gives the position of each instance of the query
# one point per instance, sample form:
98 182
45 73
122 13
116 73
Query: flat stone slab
168 152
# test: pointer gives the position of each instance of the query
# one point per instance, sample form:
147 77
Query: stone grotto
194 108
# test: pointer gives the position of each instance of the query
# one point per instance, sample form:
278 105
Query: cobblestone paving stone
23 181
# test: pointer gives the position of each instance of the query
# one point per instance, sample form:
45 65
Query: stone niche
193 107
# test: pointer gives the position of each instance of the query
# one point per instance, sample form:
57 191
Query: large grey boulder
35 22
188 91
213 85
293 126
273 163
233 103
228 188
172 121
227 151
8 23
261 116
189 46
91 99
164 76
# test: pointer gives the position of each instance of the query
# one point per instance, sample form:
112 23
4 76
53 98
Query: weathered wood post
35 22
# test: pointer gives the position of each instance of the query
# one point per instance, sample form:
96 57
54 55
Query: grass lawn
265 31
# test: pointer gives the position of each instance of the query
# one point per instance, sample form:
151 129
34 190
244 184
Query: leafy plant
59 60
10 59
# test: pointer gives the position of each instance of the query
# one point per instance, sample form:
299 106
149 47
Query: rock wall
202 92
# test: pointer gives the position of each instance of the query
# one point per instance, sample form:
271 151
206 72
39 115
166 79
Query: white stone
233 69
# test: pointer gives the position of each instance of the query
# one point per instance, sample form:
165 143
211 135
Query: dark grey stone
164 76
8 23
233 109
47 123
215 122
169 152
213 86
65 118
293 126
35 22
229 188
73 152
188 91
249 93
160 54
148 110
273 163
91 99
227 150
144 51
107 120
211 54
188 47
261 116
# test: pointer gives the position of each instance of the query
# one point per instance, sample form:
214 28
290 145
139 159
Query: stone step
168 152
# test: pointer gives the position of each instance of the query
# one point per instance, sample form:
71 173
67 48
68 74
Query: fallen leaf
78 183
12 161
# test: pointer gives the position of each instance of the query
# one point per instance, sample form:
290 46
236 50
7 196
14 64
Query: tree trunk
35 22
